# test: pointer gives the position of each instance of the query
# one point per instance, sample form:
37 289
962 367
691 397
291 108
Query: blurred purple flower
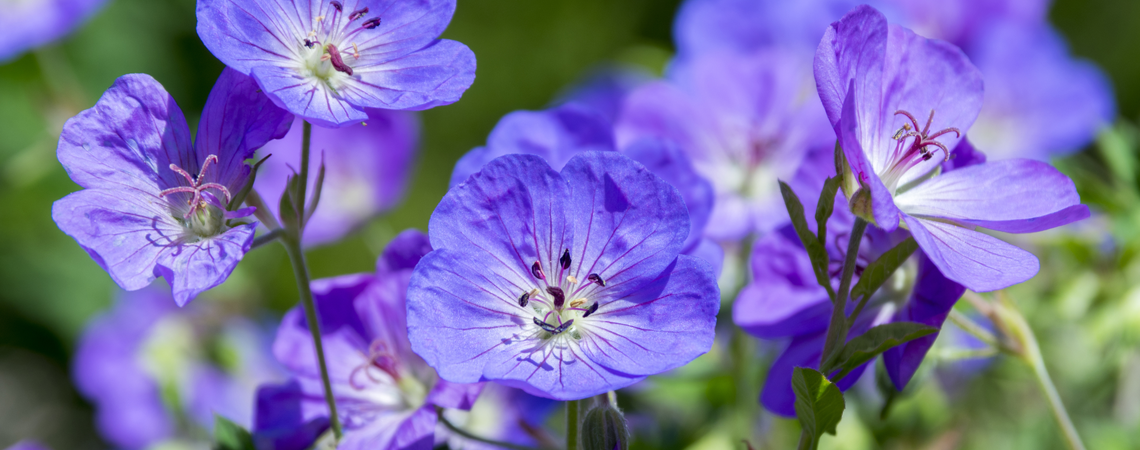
876 82
386 395
329 60
604 89
502 414
1040 101
367 169
565 285
25 25
560 133
153 204
144 356
743 121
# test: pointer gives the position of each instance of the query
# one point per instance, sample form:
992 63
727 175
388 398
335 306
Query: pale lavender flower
26 24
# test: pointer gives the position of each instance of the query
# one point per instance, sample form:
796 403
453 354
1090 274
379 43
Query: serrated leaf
238 198
819 403
824 207
873 342
881 269
230 436
815 250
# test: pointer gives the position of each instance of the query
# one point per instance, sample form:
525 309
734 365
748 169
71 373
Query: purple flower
560 133
28 24
367 168
139 360
899 102
503 414
744 121
565 285
329 60
28 445
604 89
386 395
153 204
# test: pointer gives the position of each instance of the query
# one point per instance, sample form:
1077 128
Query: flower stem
466 434
267 238
1031 354
301 271
572 424
837 329
306 136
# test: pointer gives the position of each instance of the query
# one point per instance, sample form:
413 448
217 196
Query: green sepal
880 270
873 342
287 208
238 198
230 436
819 403
815 249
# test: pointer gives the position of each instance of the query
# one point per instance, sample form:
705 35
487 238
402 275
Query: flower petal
978 261
783 298
852 51
1017 196
128 140
629 223
279 423
454 395
406 26
432 76
248 34
883 208
662 326
333 298
667 161
306 97
237 120
929 304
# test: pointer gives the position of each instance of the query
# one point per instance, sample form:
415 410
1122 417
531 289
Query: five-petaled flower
564 284
154 204
898 102
328 60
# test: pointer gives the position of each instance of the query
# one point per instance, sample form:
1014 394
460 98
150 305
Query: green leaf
881 269
875 341
824 207
235 202
230 436
815 250
316 190
287 209
819 403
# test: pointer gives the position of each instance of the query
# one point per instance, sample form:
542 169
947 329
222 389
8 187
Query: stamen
572 279
536 270
196 186
596 279
335 4
310 43
563 327
371 23
558 295
337 62
578 303
357 14
525 299
355 51
565 259
593 309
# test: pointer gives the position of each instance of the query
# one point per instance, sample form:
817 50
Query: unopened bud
604 428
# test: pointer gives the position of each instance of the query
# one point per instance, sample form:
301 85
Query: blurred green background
528 51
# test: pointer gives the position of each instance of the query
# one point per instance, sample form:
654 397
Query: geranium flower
565 285
329 60
367 169
153 204
386 395
899 103
28 24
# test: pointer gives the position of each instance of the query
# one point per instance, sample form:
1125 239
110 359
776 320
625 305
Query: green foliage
230 436
815 248
241 194
875 341
604 428
825 206
819 404
287 209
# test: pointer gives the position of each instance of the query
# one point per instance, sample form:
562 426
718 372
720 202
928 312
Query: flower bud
604 428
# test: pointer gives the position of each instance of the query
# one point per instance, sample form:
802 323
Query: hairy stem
572 424
267 238
467 435
837 329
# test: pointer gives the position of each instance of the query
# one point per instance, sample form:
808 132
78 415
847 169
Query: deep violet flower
386 395
28 24
564 284
743 121
367 169
899 102
1040 101
146 362
502 414
329 60
154 204
560 133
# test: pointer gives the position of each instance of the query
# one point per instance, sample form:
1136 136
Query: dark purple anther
371 23
565 259
545 326
562 327
310 43
339 7
596 279
593 308
524 299
536 270
558 295
337 62
358 14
